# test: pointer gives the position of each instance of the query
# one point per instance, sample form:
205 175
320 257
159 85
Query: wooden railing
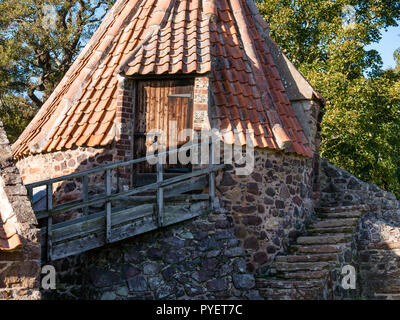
108 196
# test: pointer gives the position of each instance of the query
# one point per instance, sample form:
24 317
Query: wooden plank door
157 103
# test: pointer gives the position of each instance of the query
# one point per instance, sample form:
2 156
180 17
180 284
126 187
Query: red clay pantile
9 239
147 37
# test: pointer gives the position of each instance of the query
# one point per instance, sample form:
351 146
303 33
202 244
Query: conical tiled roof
222 38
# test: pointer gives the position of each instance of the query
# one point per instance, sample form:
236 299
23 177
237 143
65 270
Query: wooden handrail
107 197
160 195
49 197
111 166
102 198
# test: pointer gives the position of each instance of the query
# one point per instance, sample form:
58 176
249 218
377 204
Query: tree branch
34 98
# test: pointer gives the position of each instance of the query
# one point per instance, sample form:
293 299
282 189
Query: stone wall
52 165
340 188
269 207
376 248
333 289
197 259
308 114
19 269
378 254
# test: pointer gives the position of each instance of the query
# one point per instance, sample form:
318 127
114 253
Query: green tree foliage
361 129
327 41
16 114
39 40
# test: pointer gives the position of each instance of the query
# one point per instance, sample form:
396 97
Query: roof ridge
117 8
140 37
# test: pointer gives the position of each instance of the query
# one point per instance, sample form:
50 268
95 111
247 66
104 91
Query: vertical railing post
160 194
118 180
211 176
85 190
49 248
108 206
132 175
30 193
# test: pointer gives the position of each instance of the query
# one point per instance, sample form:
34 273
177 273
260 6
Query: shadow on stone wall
19 268
197 259
72 190
376 244
378 256
203 265
270 207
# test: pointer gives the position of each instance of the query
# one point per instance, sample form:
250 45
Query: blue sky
389 43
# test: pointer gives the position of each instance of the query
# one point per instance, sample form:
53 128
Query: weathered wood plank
85 226
211 183
112 166
77 246
160 195
104 198
186 186
123 228
108 205
179 213
49 240
85 191
132 229
143 179
172 198
171 194
30 193
113 226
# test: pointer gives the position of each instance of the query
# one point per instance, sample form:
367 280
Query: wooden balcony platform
96 220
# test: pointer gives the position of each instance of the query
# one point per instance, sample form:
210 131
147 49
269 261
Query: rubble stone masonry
376 250
52 165
20 268
269 207
197 259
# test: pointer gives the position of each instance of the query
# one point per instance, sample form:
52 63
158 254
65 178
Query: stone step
340 215
288 294
301 249
362 208
288 284
325 257
305 275
325 239
350 195
329 223
388 285
385 296
278 294
301 266
346 195
321 231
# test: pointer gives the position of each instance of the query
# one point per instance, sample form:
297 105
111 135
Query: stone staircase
306 271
